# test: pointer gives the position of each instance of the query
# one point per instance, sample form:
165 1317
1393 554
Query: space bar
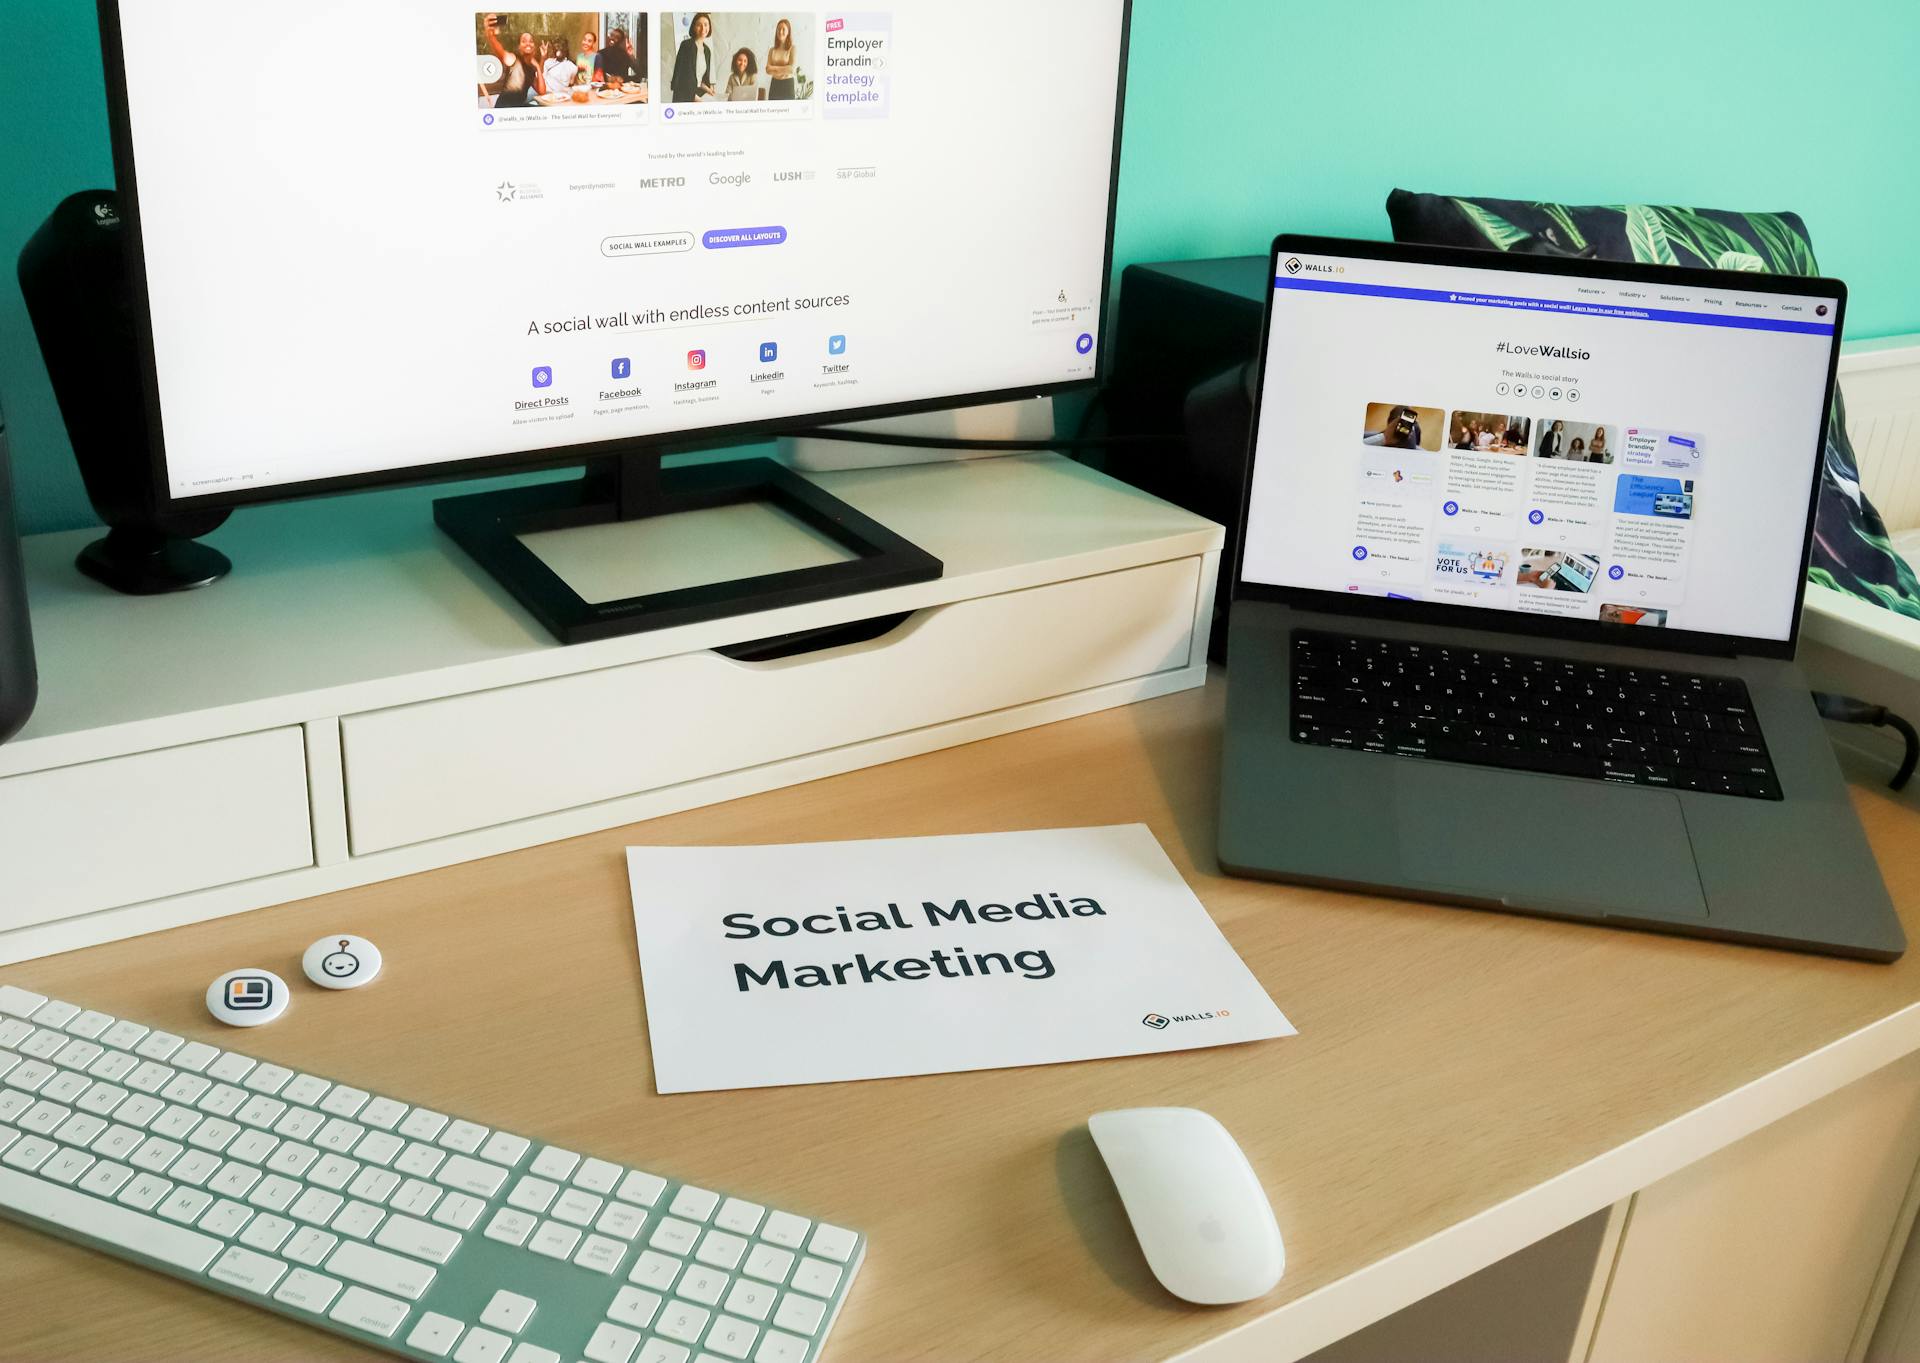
118 1226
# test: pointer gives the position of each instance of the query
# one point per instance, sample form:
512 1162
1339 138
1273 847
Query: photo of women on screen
1577 442
1488 433
558 61
734 56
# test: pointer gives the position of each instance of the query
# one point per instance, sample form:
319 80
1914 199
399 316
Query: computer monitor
430 240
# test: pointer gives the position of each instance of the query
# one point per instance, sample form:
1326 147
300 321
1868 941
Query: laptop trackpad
1542 842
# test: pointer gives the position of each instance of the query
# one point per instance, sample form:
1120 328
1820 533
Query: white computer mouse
1198 1210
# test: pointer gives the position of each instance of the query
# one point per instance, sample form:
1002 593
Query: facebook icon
622 368
769 352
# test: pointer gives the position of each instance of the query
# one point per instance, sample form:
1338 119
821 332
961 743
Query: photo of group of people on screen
1407 426
1488 433
1575 441
561 59
534 59
735 56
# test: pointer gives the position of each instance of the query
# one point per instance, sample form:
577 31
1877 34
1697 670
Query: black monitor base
488 525
148 562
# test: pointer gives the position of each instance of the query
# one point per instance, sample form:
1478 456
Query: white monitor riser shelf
359 702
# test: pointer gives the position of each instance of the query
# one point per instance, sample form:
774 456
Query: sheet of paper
810 963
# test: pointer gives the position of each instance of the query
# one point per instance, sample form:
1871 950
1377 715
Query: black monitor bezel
1514 622
527 461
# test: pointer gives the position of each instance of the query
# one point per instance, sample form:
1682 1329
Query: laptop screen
1577 446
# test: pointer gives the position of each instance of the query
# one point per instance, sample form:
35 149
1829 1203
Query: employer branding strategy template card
810 963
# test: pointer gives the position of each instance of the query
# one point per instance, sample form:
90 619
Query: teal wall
1248 116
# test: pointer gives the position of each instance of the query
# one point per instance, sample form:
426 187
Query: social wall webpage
371 250
1639 454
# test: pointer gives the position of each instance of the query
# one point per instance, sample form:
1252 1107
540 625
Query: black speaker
19 684
73 274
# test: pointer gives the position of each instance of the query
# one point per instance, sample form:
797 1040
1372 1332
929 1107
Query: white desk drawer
442 767
125 830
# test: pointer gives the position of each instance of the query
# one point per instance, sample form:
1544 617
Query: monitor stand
634 486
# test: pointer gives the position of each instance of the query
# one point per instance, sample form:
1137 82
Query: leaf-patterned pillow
1851 548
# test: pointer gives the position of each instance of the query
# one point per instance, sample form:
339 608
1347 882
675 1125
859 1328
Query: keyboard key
663 1351
508 1311
694 1204
264 1233
230 1068
292 1159
308 1291
769 1264
358 1219
369 1311
383 1113
554 1163
184 1205
482 1346
682 1321
655 1271
738 1216
702 1285
831 1242
107 1222
316 1206
222 1100
339 1135
463 1136
781 1347
786 1230
504 1148
554 1240
419 1160
511 1227
600 1254
299 1124
576 1207
233 1180
533 1194
612 1344
817 1277
722 1250
635 1307
435 1334
374 1185
305 1090
471 1175
800 1314
459 1209
310 1246
675 1237
642 1188
731 1338
331 1171
621 1220
195 1167
405 1234
145 1191
247 1270
67 1165
55 1013
597 1176
19 1003
751 1299
422 1124
525 1352
342 1101
379 1147
105 1178
394 1273
158 1045
267 1078
225 1218
416 1198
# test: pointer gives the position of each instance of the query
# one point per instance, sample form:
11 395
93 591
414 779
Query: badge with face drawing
341 961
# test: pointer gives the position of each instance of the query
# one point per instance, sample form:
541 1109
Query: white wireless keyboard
396 1225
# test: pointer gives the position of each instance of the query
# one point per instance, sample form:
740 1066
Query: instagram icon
696 359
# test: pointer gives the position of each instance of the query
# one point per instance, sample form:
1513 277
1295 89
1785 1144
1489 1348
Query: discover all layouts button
724 238
648 244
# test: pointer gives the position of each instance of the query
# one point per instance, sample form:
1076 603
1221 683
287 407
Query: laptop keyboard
1492 708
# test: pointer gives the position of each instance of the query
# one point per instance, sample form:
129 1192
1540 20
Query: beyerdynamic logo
1293 265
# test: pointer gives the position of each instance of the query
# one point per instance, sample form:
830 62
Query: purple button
725 238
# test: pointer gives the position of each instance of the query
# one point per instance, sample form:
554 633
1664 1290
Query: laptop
1519 583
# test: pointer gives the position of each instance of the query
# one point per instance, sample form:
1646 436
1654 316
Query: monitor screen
383 242
1565 445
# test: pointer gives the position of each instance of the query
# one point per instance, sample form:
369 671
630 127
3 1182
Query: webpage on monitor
1593 449
435 232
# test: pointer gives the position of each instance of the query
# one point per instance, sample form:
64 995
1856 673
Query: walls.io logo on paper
1156 1021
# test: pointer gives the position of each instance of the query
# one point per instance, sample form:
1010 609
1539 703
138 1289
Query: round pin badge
247 998
342 961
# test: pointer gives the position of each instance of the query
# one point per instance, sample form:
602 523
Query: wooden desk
1463 1083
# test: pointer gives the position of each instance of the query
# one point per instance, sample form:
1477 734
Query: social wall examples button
726 238
647 244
